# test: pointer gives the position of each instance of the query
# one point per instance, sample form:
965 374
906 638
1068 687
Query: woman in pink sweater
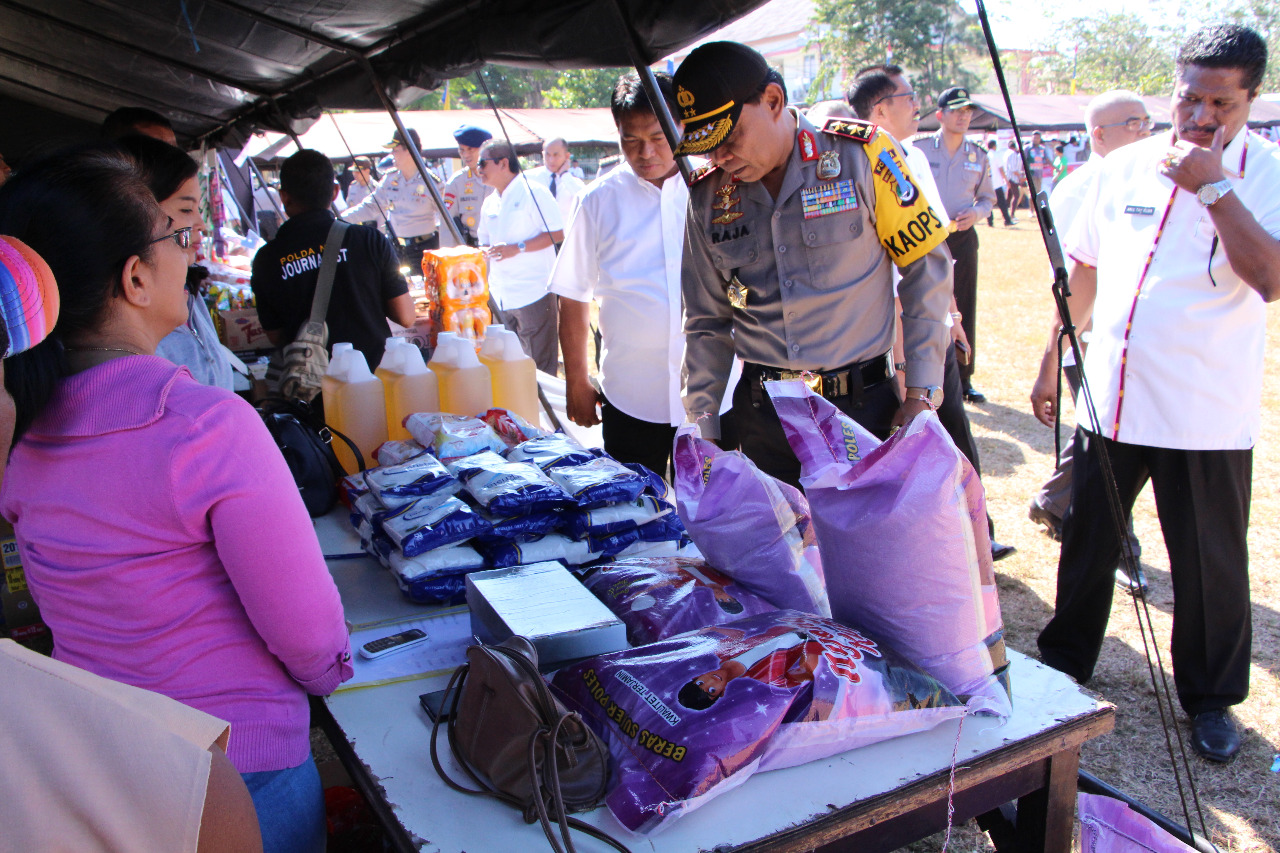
162 534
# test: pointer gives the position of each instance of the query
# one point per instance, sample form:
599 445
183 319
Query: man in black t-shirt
367 285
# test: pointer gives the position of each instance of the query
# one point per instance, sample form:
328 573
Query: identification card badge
737 294
829 165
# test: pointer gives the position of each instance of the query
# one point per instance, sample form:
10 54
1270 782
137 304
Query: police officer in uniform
464 192
963 174
790 239
414 217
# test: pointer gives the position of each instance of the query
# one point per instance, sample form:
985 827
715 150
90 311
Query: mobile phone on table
384 646
433 704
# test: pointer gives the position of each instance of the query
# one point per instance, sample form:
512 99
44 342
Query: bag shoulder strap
328 266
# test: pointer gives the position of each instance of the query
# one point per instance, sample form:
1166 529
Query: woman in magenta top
162 534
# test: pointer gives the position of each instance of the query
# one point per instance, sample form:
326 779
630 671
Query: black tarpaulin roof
273 64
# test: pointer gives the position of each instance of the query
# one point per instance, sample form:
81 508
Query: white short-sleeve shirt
1176 356
519 213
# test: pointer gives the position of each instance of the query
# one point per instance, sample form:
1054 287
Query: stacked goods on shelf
457 288
467 493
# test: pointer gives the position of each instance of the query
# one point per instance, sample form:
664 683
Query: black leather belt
421 238
832 384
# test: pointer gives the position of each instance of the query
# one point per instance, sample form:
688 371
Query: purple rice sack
903 527
659 597
755 529
692 716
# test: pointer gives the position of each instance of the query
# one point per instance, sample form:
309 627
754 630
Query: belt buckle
808 377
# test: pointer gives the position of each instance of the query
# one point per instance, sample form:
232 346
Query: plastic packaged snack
352 487
431 522
452 436
659 597
424 475
598 482
456 278
444 589
508 488
754 528
499 553
510 427
548 451
398 452
448 559
932 592
615 518
521 528
690 717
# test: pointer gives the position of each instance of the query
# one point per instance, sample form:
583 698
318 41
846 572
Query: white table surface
391 735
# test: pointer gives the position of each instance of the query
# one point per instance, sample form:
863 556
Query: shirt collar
131 392
1234 155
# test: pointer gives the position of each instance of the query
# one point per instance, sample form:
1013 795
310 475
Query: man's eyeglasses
182 237
483 160
911 95
1134 124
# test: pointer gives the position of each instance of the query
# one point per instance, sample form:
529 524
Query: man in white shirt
882 95
623 249
1114 119
556 174
1015 174
998 183
519 227
1176 252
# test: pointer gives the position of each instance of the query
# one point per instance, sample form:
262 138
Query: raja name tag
1139 210
826 199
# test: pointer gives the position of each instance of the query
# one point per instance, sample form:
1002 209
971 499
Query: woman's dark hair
164 167
85 211
693 697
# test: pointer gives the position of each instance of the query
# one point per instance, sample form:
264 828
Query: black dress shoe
999 552
973 395
1214 736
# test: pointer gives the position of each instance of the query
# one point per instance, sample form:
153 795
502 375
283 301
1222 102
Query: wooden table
878 797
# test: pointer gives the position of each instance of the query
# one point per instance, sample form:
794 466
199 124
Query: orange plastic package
457 285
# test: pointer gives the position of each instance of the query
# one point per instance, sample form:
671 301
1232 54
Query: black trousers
1202 498
955 420
1002 202
411 254
629 439
760 431
964 249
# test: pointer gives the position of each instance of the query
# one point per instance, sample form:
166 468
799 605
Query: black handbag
518 743
305 442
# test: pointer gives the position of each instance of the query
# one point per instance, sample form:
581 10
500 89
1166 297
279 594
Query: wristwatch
520 245
1210 193
930 395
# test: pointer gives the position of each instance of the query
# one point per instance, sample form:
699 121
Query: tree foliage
1115 51
933 40
526 88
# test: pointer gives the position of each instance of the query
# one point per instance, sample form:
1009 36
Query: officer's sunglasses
1134 124
182 237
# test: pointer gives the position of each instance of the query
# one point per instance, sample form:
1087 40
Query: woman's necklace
101 349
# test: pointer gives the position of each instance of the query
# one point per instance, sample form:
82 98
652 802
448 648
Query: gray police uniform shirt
463 194
963 179
805 282
413 210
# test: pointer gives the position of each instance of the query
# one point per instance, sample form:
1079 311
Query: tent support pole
262 182
446 221
650 83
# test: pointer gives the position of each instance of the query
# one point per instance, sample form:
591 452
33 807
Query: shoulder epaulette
850 128
700 173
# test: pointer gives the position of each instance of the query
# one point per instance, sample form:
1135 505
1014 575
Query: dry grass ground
1241 801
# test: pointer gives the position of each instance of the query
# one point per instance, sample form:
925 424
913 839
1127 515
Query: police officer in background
790 240
963 174
464 192
414 217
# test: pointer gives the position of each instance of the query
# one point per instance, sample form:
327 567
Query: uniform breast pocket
830 245
733 254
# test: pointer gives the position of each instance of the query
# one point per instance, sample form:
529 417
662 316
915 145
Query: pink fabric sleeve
231 481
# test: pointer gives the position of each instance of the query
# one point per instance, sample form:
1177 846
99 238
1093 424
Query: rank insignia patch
808 146
826 199
858 131
726 200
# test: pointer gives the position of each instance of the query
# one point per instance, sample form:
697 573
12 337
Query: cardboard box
547 604
241 330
